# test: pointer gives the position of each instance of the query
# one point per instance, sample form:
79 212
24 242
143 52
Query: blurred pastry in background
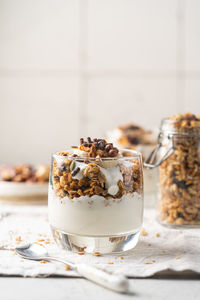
132 136
135 137
24 184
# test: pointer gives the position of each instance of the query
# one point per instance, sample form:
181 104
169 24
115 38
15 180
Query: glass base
88 244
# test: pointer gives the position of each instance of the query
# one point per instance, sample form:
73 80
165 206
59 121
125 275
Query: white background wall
71 68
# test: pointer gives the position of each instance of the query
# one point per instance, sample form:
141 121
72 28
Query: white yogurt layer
96 216
23 189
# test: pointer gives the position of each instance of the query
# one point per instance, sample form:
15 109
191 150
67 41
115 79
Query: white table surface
184 287
168 285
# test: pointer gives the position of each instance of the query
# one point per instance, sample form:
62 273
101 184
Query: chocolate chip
75 171
101 145
89 140
108 147
81 141
95 140
112 152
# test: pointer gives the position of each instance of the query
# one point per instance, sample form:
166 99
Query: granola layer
86 171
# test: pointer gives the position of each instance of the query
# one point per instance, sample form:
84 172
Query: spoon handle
117 283
52 258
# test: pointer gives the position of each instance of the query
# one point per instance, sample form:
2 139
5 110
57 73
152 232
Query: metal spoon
117 283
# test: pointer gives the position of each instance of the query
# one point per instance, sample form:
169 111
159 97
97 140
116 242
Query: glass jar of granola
96 197
178 153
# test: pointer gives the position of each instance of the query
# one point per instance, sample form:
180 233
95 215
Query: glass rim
134 154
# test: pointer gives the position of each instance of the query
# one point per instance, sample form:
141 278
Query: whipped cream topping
113 175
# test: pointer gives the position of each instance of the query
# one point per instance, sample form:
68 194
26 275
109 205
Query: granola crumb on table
179 175
96 254
43 261
92 180
67 268
143 232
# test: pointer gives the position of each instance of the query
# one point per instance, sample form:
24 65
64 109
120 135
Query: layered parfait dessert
22 184
133 136
96 197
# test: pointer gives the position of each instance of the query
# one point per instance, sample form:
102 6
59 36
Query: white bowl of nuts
24 184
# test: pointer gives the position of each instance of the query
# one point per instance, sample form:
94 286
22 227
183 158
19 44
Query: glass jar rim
134 154
167 125
170 121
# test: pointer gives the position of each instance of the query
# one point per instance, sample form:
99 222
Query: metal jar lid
152 162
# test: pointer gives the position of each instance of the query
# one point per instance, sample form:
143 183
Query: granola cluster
98 148
179 175
75 176
24 173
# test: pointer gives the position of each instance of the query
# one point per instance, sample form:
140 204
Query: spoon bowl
32 251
